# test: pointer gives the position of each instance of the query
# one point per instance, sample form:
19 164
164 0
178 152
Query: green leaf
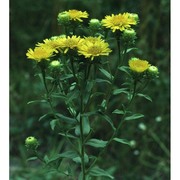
86 127
119 91
59 96
134 116
106 73
66 119
144 96
32 158
98 172
78 159
68 135
67 154
107 118
98 80
124 69
131 49
123 141
66 76
53 123
37 101
72 95
48 116
96 143
117 111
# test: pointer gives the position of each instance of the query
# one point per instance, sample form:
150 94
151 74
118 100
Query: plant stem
82 136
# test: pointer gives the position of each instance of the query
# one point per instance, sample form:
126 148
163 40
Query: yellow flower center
94 50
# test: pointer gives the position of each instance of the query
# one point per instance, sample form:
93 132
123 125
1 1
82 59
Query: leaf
32 158
119 91
144 96
131 49
65 118
59 96
37 101
72 95
134 116
67 154
66 76
98 80
78 159
46 116
96 143
123 141
53 123
106 73
107 118
98 172
117 111
86 127
124 69
68 135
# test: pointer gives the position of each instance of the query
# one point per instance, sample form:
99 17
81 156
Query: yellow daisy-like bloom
119 21
40 53
138 65
51 43
67 43
93 47
76 15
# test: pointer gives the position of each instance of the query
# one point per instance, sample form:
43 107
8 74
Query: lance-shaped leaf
122 141
96 143
144 96
106 73
65 118
134 116
117 111
98 172
38 101
121 90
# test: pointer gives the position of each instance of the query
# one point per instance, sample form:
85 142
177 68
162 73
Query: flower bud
135 16
94 24
31 143
129 35
63 18
55 65
152 71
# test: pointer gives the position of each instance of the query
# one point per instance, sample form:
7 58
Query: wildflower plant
81 69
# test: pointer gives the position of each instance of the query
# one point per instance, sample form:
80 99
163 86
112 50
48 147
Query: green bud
63 18
152 71
94 24
129 35
55 65
135 16
31 143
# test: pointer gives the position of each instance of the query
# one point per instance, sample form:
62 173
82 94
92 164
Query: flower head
76 15
138 66
153 71
119 21
31 143
93 47
40 53
69 42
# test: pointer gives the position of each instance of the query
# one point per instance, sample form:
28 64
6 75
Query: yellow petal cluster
40 53
77 15
92 47
119 21
138 65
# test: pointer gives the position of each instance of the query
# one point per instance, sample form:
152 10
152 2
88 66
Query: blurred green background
31 22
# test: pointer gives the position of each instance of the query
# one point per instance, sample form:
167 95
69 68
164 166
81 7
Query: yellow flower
76 15
119 21
94 46
138 65
40 53
67 43
51 43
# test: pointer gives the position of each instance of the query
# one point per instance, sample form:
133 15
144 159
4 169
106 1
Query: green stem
82 140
